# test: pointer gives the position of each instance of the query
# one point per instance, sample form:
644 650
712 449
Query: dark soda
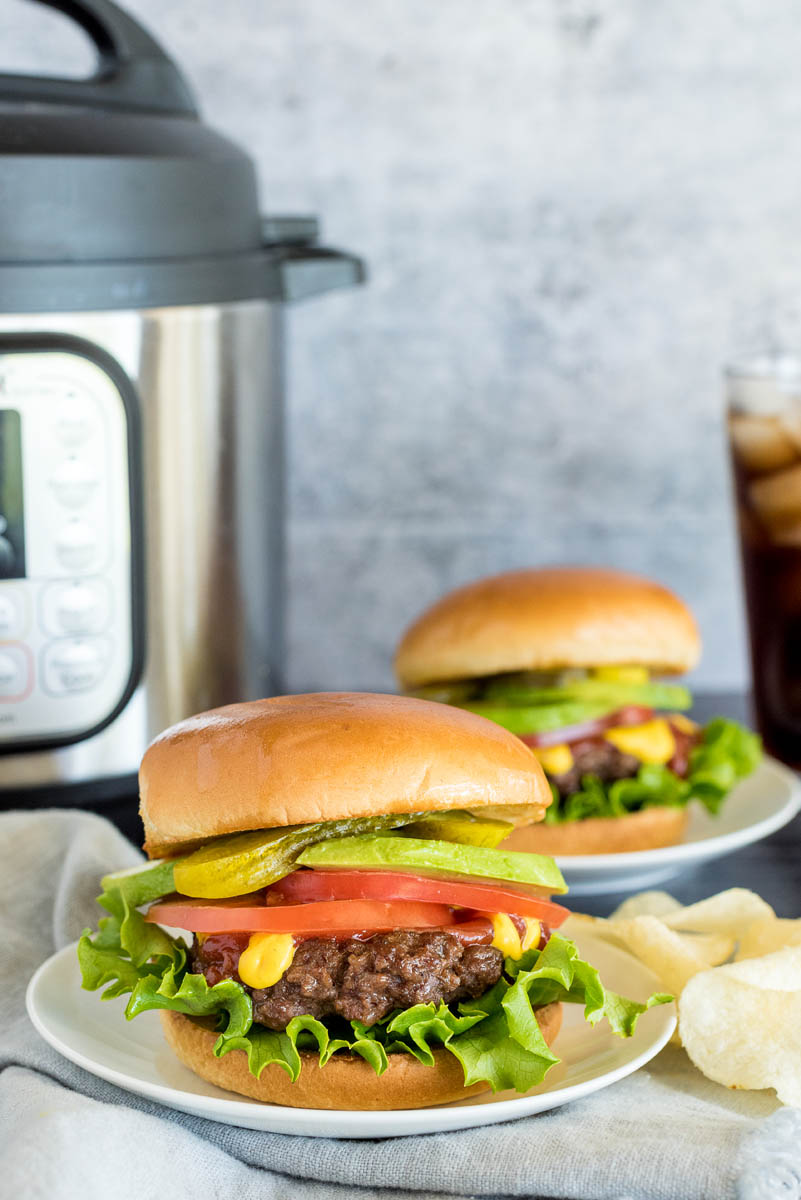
766 460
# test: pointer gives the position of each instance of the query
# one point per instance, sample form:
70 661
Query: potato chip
739 1020
601 927
739 1023
672 957
586 918
714 948
596 924
729 912
768 935
646 904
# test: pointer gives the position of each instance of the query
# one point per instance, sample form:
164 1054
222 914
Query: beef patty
361 980
595 756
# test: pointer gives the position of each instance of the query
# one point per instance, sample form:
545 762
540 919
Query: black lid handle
299 267
133 72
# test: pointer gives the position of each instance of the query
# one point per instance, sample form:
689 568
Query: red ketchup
217 956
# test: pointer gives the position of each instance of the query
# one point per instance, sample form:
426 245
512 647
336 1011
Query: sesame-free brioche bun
292 760
547 618
345 1082
649 829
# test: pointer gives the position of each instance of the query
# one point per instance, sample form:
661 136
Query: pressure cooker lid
113 193
81 185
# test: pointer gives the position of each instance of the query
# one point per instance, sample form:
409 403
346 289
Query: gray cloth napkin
665 1133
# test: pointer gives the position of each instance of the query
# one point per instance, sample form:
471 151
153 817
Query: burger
577 661
327 920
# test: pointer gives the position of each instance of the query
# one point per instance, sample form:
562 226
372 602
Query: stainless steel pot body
142 453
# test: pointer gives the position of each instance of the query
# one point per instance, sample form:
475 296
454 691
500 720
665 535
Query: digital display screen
12 527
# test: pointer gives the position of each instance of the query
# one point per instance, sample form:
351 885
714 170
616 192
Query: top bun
292 760
548 618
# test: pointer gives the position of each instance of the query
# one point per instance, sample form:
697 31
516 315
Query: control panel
67 645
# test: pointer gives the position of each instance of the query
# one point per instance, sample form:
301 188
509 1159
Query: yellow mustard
507 939
266 958
505 936
533 933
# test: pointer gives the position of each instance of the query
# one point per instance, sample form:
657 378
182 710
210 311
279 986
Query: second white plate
757 807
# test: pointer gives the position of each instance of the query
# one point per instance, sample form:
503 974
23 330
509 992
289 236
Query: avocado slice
427 856
539 718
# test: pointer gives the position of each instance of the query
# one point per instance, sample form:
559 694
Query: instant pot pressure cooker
141 487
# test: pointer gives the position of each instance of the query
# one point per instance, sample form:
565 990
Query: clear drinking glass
764 423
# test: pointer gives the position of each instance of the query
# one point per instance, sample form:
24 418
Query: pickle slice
245 862
460 826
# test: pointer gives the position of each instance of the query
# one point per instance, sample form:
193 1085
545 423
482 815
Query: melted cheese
266 958
554 759
652 742
507 939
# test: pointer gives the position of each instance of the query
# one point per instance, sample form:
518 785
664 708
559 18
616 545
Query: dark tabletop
771 867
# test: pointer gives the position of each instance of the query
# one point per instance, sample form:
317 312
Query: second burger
573 660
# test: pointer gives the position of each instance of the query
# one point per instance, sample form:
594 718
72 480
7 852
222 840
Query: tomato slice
478 931
310 886
325 919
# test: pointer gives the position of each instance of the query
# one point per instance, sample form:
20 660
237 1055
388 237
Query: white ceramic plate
95 1035
758 806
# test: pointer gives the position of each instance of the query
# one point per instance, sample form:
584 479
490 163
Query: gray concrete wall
572 211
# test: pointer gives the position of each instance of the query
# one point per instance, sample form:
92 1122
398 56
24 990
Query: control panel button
76 544
79 606
15 672
74 421
74 665
73 482
12 614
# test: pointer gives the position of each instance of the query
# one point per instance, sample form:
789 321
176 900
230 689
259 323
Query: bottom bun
345 1082
645 830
